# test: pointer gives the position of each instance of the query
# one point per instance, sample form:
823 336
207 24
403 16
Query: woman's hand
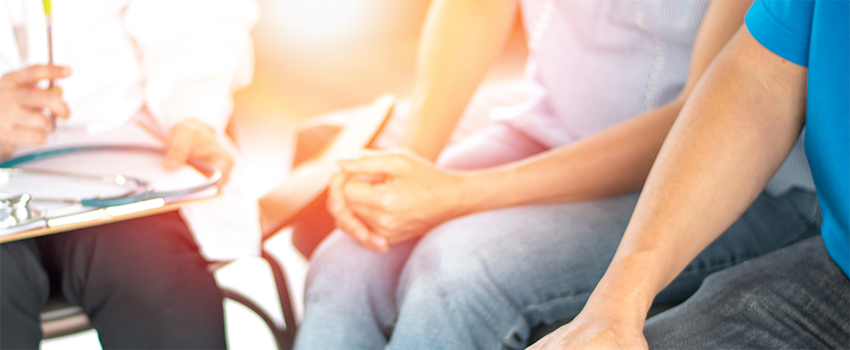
22 104
193 138
386 198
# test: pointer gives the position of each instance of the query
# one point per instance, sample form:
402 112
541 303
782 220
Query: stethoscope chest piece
19 211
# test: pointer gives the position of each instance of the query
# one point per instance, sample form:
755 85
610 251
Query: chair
284 337
291 204
59 318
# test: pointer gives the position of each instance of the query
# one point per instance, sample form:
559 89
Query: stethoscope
142 191
16 210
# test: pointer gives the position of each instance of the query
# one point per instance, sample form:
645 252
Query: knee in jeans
333 255
324 277
440 273
340 267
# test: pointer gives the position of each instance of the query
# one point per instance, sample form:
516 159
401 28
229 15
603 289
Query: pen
48 17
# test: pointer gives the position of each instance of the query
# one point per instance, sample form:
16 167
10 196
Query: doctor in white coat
170 66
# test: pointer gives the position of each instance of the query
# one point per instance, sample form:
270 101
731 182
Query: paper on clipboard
145 166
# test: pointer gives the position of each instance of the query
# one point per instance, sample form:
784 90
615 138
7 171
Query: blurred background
312 57
318 55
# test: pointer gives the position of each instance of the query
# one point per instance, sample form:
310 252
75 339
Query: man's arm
460 40
614 161
734 132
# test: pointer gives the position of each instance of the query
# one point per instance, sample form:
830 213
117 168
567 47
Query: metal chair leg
283 294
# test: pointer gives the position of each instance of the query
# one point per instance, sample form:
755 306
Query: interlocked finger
348 221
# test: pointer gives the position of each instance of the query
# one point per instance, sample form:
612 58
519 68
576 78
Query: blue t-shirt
816 34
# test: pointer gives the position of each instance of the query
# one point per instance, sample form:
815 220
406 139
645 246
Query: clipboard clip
17 211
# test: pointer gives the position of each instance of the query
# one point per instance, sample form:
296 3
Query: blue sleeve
783 26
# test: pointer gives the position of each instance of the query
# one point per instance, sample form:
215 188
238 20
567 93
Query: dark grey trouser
142 282
792 298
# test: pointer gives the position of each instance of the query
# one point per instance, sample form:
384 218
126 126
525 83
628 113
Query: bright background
312 57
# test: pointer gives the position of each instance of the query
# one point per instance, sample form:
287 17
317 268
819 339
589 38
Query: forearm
614 161
611 162
732 135
460 40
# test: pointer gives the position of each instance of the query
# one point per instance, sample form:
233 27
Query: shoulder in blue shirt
816 34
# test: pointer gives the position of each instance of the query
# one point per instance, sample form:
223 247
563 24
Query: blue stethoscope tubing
213 175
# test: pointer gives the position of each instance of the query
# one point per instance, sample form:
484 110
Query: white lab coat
157 62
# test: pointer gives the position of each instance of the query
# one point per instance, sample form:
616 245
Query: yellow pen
48 17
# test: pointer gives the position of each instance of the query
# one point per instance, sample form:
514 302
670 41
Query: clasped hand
389 197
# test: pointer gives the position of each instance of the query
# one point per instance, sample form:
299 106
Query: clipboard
61 217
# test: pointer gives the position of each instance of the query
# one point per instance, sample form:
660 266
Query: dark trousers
793 298
142 283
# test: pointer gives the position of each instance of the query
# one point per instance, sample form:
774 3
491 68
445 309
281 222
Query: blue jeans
793 298
485 280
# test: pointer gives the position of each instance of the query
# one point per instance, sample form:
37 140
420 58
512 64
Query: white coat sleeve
194 54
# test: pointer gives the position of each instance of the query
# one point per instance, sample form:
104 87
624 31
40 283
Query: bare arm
734 133
460 40
614 161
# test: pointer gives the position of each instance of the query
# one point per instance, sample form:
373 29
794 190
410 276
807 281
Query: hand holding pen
22 105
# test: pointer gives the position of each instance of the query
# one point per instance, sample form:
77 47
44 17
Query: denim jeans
483 281
793 298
